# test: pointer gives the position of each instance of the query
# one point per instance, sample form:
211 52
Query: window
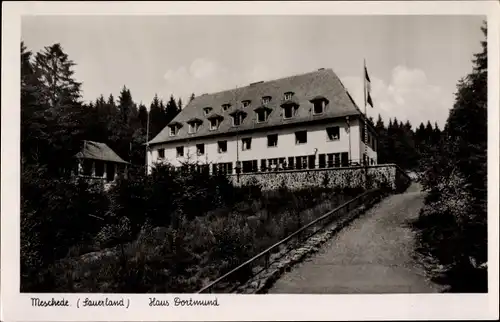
238 119
249 166
288 96
200 149
225 107
318 107
311 160
246 144
301 162
330 157
333 133
174 129
214 124
273 164
194 127
180 151
337 160
263 165
266 100
245 103
87 167
322 161
161 153
98 168
272 140
246 166
288 111
281 163
207 110
345 159
290 162
222 168
222 146
301 137
262 115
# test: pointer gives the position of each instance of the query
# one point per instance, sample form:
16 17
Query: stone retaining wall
352 177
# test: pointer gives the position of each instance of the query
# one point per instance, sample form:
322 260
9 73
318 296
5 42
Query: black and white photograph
253 154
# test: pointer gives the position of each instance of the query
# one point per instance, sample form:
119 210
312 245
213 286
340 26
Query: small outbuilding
97 160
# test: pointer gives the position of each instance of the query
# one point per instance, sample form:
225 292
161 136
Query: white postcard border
16 306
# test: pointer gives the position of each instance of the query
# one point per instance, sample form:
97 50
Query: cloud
201 76
409 95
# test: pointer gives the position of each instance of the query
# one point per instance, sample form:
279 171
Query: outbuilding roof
98 151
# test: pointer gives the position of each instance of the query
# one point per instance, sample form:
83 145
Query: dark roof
98 151
215 116
323 83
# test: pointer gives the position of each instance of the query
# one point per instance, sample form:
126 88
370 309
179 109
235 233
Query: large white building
298 122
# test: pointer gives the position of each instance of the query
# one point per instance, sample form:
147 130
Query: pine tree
143 115
179 104
382 146
157 116
125 104
171 110
454 226
191 97
467 122
59 98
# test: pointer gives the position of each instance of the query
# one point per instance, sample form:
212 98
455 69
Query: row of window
329 160
333 134
262 114
265 100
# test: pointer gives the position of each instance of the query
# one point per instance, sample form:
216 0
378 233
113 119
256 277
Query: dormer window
289 109
226 106
238 117
215 121
288 96
207 110
194 125
319 104
245 103
266 100
262 114
214 124
174 128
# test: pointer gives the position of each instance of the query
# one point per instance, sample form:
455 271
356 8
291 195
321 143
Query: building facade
300 122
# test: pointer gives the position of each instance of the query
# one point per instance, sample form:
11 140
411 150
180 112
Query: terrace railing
263 259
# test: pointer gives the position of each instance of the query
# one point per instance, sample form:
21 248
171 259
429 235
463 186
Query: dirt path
372 255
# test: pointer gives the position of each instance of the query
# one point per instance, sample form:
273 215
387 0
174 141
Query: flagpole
365 159
147 142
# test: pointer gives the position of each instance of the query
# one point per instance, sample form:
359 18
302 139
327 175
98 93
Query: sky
414 62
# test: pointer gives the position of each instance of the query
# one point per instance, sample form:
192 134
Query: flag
368 88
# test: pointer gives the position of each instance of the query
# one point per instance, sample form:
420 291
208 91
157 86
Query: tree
453 224
171 110
143 116
179 104
191 97
54 111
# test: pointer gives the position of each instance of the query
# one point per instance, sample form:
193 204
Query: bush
46 202
452 230
169 232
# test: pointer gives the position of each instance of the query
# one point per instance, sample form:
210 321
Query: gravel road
372 255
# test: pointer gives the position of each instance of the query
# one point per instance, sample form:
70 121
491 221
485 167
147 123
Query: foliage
452 226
